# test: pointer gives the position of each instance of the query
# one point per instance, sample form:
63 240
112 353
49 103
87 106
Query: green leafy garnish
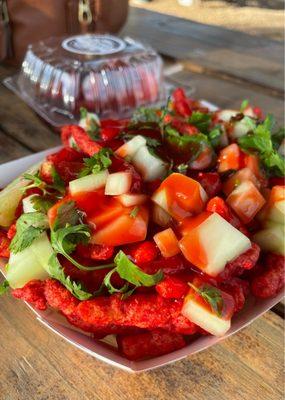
131 273
243 106
182 168
58 183
37 182
200 120
64 242
57 272
83 112
277 137
212 296
4 286
98 162
215 136
193 145
42 203
67 214
134 212
144 114
29 227
259 141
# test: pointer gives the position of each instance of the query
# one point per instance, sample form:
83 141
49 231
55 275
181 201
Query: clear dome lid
105 74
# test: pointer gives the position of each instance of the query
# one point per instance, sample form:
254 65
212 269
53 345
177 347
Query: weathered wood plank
17 119
11 149
250 58
43 366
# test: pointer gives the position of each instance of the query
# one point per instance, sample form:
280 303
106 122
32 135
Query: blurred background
256 17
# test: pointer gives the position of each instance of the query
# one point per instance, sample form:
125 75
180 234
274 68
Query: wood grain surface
250 58
223 67
37 364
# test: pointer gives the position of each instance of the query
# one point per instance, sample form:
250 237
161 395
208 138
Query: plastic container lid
105 74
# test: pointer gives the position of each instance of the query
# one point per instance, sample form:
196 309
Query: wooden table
224 67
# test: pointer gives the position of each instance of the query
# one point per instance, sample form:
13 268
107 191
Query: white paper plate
104 350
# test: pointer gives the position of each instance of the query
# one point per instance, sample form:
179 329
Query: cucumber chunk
29 264
11 196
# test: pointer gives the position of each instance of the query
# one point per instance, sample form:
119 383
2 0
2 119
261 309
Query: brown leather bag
27 21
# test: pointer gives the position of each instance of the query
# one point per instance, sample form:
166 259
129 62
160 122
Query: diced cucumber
31 263
118 183
130 148
150 167
226 115
88 183
86 122
271 239
11 196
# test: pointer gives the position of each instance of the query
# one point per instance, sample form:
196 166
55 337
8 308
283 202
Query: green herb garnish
200 120
4 287
134 212
260 142
98 162
212 296
243 106
29 227
131 273
57 272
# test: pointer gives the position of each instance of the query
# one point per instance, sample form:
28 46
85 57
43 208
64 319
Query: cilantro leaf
193 145
200 120
4 286
98 162
58 184
131 273
144 114
212 296
57 272
277 137
37 182
29 227
243 106
110 287
67 214
134 212
215 136
259 141
64 242
42 203
182 168
83 112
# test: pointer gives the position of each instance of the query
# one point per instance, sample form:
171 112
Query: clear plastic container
105 74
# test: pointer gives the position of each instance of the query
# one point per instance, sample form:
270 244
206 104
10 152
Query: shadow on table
273 4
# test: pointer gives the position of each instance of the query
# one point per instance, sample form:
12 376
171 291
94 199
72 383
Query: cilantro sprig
29 227
259 141
4 287
193 145
200 120
57 272
97 163
212 296
37 182
131 273
144 114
